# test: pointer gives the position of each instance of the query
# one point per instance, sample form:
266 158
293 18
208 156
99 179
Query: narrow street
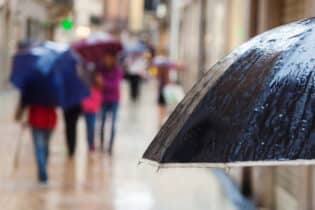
97 181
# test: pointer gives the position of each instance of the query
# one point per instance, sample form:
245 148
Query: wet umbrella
254 107
92 49
68 66
73 87
46 74
32 73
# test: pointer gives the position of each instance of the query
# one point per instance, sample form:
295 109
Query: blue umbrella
73 87
65 63
46 75
31 73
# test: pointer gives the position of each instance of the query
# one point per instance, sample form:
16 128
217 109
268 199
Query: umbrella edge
158 165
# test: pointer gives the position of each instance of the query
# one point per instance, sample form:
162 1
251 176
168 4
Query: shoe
43 183
92 149
43 179
70 155
110 151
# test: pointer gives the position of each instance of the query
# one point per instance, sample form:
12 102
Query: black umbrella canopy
256 106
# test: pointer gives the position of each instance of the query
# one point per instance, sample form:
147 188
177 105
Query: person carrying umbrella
46 76
102 49
91 106
75 90
42 117
112 75
164 67
42 120
136 65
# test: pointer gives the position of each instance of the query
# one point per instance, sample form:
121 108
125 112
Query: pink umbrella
93 48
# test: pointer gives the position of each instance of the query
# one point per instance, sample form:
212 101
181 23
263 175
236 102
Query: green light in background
66 24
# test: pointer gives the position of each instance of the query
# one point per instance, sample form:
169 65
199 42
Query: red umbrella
93 48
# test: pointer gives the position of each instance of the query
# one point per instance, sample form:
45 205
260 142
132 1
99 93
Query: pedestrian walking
112 75
136 66
42 121
74 92
45 73
102 48
169 90
42 117
91 106
71 117
163 80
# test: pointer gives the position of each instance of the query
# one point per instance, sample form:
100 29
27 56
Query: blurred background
193 33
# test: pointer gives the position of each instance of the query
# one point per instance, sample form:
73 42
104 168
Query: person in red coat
42 120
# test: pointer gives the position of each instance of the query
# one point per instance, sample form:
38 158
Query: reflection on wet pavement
97 181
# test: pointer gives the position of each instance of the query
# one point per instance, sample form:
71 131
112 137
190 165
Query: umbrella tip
227 169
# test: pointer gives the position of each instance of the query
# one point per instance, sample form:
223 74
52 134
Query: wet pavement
97 181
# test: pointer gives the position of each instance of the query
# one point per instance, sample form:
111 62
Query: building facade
202 32
282 188
19 21
3 41
116 12
26 19
87 16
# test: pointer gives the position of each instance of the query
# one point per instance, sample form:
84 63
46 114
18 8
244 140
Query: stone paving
98 182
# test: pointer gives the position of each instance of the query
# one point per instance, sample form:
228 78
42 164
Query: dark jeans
90 119
112 109
71 116
41 148
134 83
